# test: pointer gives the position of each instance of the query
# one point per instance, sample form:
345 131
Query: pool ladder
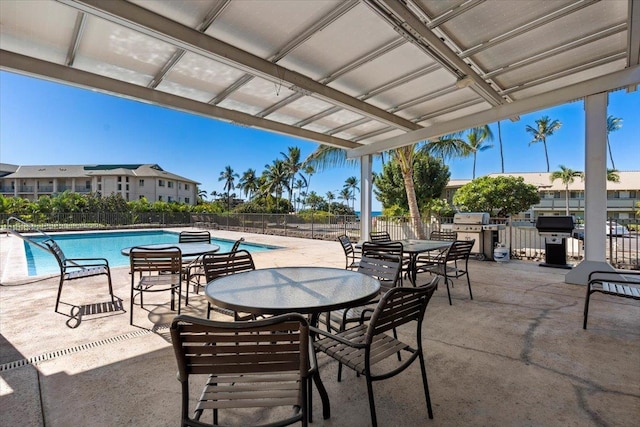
29 228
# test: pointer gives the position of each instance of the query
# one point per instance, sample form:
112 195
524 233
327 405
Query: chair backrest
391 251
223 264
236 244
459 249
168 260
386 271
194 236
56 252
399 306
278 344
443 235
379 236
346 245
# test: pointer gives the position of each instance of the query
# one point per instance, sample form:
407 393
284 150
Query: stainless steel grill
475 225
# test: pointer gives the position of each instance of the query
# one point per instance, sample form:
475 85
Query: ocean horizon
373 213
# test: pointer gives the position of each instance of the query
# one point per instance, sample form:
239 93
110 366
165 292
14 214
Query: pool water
107 245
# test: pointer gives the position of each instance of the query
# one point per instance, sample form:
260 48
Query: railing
520 235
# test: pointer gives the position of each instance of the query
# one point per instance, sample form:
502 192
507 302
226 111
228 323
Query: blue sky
49 123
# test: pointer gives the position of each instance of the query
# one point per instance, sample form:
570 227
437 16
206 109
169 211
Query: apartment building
621 196
132 181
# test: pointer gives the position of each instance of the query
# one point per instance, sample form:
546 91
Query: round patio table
306 290
187 249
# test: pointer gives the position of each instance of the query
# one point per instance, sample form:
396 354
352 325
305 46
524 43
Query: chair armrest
364 312
86 262
617 276
336 337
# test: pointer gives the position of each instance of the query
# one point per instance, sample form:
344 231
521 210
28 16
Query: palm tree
613 124
352 184
309 170
276 180
299 184
567 176
202 194
293 165
228 176
345 195
476 140
447 147
613 175
545 129
249 182
330 198
405 157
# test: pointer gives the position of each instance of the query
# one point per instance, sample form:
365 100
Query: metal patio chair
217 265
452 264
78 268
155 270
193 271
379 236
250 365
363 346
352 258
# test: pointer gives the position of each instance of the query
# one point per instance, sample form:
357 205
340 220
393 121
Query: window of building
127 179
127 187
99 179
159 198
576 194
127 196
179 186
119 179
87 185
140 197
161 183
170 184
186 186
119 187
186 200
99 187
141 183
169 199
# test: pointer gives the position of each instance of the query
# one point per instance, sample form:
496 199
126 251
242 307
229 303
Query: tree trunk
566 198
501 155
546 156
405 158
613 165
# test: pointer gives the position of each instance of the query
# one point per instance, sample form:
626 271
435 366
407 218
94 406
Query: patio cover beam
146 22
10 61
616 80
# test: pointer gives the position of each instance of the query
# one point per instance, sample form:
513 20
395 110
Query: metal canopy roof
367 75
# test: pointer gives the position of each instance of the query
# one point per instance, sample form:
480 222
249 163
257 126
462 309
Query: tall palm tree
202 194
309 169
405 156
501 153
477 139
299 184
613 124
545 128
352 184
248 183
293 165
567 176
228 176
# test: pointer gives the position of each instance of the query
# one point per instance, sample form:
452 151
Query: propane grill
475 226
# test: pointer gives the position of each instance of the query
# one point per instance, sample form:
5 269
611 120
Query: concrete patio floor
514 355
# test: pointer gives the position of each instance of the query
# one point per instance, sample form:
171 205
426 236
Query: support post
595 193
366 191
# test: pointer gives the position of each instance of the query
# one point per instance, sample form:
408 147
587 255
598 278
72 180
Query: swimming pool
108 245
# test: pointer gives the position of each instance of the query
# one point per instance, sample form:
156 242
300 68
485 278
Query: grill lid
471 218
559 224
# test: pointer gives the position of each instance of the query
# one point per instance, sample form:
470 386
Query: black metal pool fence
519 235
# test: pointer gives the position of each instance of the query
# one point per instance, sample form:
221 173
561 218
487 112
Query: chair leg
372 405
113 301
309 400
131 307
586 309
469 284
339 371
186 298
446 282
426 385
59 290
208 310
180 296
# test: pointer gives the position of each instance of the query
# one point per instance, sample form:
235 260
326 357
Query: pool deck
514 355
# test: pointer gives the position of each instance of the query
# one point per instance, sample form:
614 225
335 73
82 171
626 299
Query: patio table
415 247
305 290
